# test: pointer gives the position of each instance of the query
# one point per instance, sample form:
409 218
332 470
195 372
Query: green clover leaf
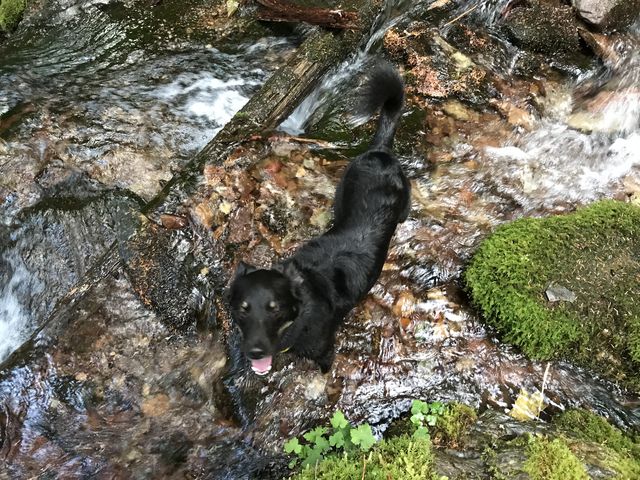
338 420
363 437
293 446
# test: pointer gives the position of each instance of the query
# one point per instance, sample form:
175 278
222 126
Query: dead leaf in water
202 212
438 4
405 306
156 405
232 7
173 222
528 406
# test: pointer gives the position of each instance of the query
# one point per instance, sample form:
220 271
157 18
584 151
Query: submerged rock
49 250
543 28
608 14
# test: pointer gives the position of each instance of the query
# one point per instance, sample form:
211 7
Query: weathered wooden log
284 11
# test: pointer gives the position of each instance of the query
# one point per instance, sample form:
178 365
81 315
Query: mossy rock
401 457
11 13
595 254
620 450
553 460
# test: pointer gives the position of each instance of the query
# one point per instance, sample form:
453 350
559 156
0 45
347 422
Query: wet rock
608 14
436 69
544 28
169 274
109 398
50 249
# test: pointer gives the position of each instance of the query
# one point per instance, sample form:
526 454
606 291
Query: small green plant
398 458
318 443
425 415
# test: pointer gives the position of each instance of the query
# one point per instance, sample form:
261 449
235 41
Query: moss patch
622 452
401 457
552 460
594 253
453 425
11 13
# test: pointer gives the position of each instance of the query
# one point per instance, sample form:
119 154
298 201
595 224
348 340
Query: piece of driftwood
284 11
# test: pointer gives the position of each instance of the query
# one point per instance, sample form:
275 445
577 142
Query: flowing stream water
99 106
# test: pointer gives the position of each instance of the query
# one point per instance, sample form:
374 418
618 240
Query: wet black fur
330 274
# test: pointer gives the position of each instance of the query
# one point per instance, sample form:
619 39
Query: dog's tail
384 89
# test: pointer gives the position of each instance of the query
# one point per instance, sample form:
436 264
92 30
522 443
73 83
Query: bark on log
284 11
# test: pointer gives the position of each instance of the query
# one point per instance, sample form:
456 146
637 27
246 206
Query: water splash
318 103
15 318
584 146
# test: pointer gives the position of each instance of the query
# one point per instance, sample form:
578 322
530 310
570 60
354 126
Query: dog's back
371 199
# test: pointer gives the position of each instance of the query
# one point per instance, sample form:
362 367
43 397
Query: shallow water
90 96
119 394
97 94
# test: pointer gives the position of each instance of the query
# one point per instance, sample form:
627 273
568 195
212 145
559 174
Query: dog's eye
244 306
273 306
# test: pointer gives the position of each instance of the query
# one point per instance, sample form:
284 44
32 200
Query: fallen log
284 11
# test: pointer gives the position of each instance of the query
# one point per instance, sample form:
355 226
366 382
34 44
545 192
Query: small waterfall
15 318
319 101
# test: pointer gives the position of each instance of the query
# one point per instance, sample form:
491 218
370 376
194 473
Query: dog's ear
290 271
243 269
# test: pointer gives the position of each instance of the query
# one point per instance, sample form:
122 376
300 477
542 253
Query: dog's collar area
284 327
281 331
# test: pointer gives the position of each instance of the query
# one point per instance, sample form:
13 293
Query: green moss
11 13
595 253
401 457
589 426
622 452
552 460
453 425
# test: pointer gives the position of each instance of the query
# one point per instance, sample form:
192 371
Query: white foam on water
558 162
205 97
15 319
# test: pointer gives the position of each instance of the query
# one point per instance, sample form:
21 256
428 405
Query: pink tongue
261 366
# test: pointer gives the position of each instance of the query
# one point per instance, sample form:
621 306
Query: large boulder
566 287
608 14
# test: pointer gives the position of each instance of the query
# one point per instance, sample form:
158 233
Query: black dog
300 302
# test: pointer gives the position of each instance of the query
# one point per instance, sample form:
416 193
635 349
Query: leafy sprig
321 441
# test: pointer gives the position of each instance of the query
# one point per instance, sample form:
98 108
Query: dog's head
263 305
